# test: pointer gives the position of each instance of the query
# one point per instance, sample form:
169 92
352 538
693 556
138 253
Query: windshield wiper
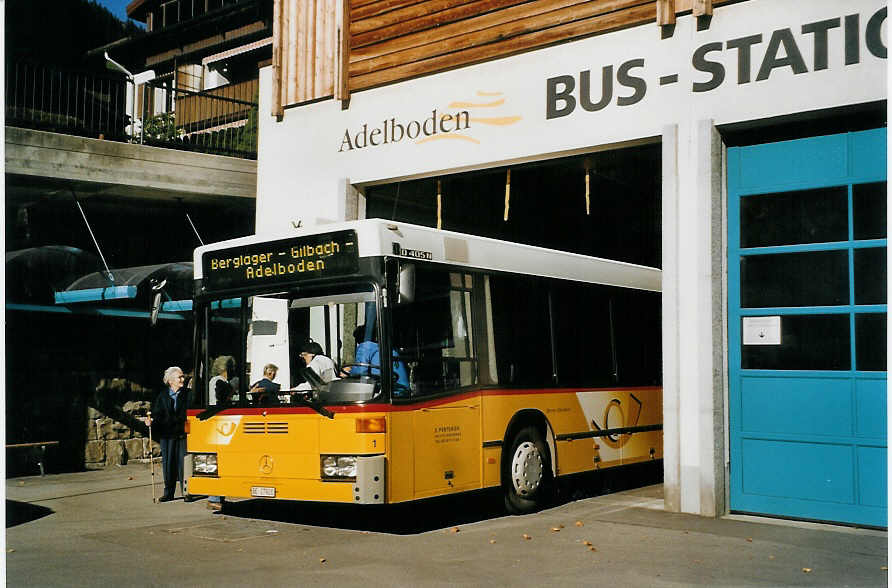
315 405
313 379
213 410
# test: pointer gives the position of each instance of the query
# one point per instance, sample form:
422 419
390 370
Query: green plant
247 137
161 126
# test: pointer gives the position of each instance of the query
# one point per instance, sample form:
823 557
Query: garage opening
544 203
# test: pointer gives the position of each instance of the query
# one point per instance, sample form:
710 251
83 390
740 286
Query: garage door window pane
870 275
808 342
869 209
870 342
789 218
819 278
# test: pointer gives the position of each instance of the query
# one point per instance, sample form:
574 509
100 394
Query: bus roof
379 237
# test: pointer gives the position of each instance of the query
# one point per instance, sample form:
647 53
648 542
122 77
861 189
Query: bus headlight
339 467
204 464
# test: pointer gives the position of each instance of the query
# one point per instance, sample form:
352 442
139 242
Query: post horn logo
616 417
226 428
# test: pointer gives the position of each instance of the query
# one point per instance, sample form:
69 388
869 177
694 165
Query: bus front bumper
368 487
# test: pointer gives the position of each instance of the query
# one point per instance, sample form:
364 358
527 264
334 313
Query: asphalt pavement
101 528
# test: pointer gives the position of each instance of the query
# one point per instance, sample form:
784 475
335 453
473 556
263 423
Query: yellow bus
505 366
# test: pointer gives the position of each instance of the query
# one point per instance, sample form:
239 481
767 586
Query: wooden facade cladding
306 36
334 47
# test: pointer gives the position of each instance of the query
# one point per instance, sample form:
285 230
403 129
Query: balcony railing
69 102
221 121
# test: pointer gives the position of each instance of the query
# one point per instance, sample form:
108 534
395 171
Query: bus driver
368 361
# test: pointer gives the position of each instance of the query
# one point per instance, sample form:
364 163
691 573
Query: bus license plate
263 492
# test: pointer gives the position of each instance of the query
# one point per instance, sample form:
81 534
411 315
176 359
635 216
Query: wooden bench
42 457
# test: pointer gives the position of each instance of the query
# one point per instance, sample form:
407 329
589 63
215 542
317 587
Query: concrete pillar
693 310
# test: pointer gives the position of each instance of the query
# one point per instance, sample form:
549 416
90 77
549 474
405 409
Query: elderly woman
169 418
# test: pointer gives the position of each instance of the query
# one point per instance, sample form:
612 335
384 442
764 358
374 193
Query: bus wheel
527 479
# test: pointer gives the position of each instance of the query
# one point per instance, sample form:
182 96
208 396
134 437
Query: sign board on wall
757 59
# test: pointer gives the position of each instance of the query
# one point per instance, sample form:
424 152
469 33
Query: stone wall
116 433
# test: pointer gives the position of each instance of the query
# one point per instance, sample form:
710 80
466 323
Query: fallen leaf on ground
455 529
749 539
321 560
579 523
593 549
527 537
587 543
129 477
806 570
555 529
492 541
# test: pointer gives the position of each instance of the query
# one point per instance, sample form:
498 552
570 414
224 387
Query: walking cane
151 454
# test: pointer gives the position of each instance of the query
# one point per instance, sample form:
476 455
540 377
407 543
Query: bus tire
527 479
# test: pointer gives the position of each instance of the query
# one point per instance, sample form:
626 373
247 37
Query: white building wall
306 167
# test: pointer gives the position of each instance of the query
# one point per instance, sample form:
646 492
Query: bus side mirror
156 307
157 288
406 284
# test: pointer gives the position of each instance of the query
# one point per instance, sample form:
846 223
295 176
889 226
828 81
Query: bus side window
582 334
637 320
521 330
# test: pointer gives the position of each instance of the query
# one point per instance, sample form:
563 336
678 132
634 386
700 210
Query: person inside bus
265 392
314 358
367 353
223 383
169 418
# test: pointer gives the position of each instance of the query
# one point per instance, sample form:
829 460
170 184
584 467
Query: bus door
447 448
434 336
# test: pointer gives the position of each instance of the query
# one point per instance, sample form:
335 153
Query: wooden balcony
228 105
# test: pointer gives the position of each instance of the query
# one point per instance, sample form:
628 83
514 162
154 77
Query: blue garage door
807 327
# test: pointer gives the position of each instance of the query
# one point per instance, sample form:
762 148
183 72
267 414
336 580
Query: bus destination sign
283 261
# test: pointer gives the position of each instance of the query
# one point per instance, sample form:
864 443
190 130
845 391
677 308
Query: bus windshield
278 337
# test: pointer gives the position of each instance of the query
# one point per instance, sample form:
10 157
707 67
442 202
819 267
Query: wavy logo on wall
458 121
477 111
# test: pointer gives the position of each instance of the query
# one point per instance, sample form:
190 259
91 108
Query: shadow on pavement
436 513
399 519
18 513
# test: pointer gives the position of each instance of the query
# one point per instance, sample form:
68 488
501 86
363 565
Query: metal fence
221 121
70 102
